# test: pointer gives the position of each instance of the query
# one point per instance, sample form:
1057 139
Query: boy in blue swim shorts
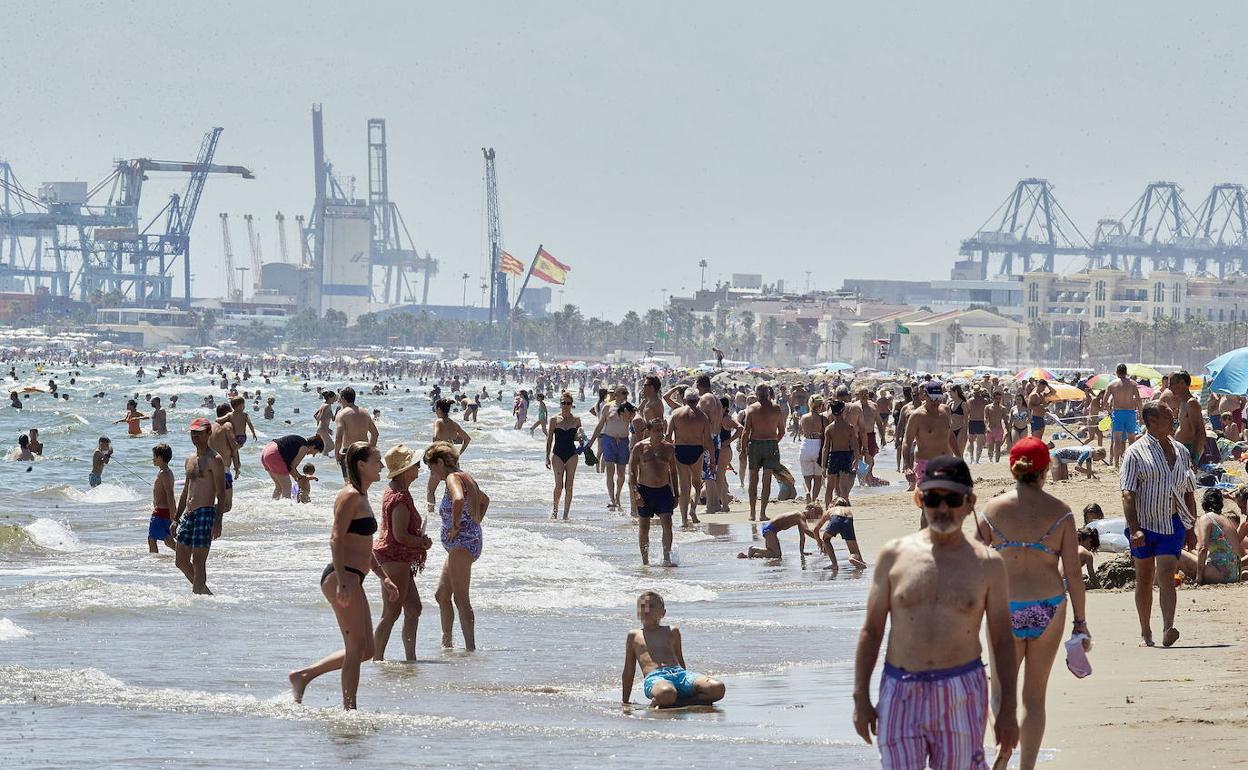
657 650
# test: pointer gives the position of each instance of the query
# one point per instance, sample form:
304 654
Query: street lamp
465 300
702 280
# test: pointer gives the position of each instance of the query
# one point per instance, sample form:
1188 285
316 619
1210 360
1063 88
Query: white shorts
812 449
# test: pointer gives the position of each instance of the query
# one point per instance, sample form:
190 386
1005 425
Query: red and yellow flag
509 264
550 269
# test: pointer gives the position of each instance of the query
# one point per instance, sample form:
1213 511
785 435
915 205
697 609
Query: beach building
932 341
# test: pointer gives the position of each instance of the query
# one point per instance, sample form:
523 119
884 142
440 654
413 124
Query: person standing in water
324 417
163 500
652 477
462 509
351 424
445 429
159 418
401 548
561 455
342 581
198 518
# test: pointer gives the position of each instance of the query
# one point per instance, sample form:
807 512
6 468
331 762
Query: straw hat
399 459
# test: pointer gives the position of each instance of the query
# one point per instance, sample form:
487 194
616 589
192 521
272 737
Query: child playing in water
103 453
840 520
268 408
305 483
238 420
163 499
132 419
779 524
657 648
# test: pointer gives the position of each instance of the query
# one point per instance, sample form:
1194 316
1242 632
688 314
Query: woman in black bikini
342 582
957 413
729 431
561 453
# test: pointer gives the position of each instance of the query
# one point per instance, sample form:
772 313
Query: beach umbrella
1063 392
1230 372
968 373
1035 373
1145 391
1100 381
1140 371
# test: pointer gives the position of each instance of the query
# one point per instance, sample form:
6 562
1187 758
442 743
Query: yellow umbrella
1064 392
968 373
1142 372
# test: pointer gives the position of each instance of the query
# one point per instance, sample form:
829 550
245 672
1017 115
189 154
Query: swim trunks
1159 543
241 438
1123 421
840 525
933 718
976 427
229 480
679 678
195 529
996 436
841 461
768 529
655 501
920 470
94 479
158 525
763 453
688 454
1037 423
614 450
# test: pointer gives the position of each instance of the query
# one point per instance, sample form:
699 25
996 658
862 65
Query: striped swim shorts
195 528
933 718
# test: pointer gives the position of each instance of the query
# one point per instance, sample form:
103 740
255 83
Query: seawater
107 660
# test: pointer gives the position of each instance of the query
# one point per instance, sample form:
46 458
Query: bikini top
365 525
1038 545
725 434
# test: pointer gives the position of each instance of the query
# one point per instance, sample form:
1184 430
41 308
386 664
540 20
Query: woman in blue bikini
462 509
1033 530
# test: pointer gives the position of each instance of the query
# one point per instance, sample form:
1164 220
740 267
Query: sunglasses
565 403
933 498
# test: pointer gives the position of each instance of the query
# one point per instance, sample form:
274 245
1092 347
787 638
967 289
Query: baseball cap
934 388
1034 450
948 472
200 423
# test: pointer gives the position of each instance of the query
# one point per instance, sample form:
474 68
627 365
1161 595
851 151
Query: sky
843 140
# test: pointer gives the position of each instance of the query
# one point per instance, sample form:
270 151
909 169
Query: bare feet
857 562
742 556
1146 640
298 683
1169 637
763 517
446 642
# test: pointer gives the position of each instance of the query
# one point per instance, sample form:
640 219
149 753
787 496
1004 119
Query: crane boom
281 236
254 238
231 282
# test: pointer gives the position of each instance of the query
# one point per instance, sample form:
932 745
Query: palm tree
839 332
996 349
747 320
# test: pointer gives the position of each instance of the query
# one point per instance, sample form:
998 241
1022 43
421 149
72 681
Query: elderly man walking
1159 501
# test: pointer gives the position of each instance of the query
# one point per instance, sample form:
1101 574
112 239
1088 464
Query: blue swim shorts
229 480
158 528
1123 421
681 679
94 479
1159 544
614 450
1037 423
768 529
841 525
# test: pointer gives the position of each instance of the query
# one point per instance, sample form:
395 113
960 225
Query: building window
1221 314
1100 311
1032 312
1159 293
1033 292
1100 291
1174 294
1208 314
1156 312
1174 312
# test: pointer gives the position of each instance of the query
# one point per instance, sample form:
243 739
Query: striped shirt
1159 487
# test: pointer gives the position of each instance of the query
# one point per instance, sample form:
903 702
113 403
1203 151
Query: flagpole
527 276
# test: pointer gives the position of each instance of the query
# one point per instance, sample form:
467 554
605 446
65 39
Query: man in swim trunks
103 453
613 423
197 521
1191 432
708 404
652 474
977 422
159 417
163 500
996 415
865 415
666 682
1036 406
840 521
351 424
222 441
688 429
1124 401
929 432
762 428
936 588
840 445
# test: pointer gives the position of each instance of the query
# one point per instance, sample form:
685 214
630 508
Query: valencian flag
509 264
549 269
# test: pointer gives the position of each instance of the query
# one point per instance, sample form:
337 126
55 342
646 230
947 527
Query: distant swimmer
666 680
103 453
15 400
132 419
159 417
22 453
198 520
36 445
163 500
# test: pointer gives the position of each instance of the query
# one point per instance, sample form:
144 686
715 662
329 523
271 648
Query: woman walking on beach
957 413
281 457
561 453
342 581
401 548
729 431
1033 530
1020 418
462 509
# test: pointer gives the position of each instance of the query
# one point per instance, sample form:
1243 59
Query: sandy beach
1179 707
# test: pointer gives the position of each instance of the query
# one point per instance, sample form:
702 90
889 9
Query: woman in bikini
729 431
462 509
561 453
1219 550
324 417
342 581
1033 530
957 417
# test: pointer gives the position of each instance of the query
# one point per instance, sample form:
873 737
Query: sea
108 660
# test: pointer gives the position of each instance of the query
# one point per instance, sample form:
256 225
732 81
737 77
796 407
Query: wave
10 631
53 535
89 594
104 493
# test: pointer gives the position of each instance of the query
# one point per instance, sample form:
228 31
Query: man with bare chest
1191 433
762 427
351 424
841 445
936 588
198 519
1036 407
867 416
652 474
1124 401
929 432
689 430
221 440
708 404
977 422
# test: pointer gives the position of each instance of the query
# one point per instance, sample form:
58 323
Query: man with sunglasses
937 587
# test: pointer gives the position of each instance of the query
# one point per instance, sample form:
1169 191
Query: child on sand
657 648
103 453
840 520
779 524
238 420
305 483
163 499
132 419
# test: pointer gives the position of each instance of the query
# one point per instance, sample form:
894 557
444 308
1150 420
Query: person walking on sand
561 454
462 509
401 548
930 432
1124 401
762 428
937 588
1159 503
342 580
1033 530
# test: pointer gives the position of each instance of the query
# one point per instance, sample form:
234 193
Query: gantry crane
256 257
233 291
281 236
498 279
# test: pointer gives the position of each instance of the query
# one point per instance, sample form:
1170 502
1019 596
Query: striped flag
509 264
549 269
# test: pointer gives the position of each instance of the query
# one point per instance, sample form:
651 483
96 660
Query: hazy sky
634 139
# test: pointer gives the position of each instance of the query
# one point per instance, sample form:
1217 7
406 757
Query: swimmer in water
36 445
23 453
132 419
163 500
103 453
238 420
657 649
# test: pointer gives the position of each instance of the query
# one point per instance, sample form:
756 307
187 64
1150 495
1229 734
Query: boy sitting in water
657 648
163 499
840 520
779 524
305 482
103 453
238 420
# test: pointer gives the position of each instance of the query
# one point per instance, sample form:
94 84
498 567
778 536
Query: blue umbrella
833 366
1230 372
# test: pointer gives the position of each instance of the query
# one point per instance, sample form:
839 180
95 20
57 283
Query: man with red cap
198 520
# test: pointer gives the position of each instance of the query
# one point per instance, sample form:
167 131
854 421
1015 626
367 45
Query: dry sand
1184 707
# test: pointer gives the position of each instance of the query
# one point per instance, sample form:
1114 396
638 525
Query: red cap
200 423
1034 450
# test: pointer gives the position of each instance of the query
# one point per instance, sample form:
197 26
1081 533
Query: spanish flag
509 264
549 269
